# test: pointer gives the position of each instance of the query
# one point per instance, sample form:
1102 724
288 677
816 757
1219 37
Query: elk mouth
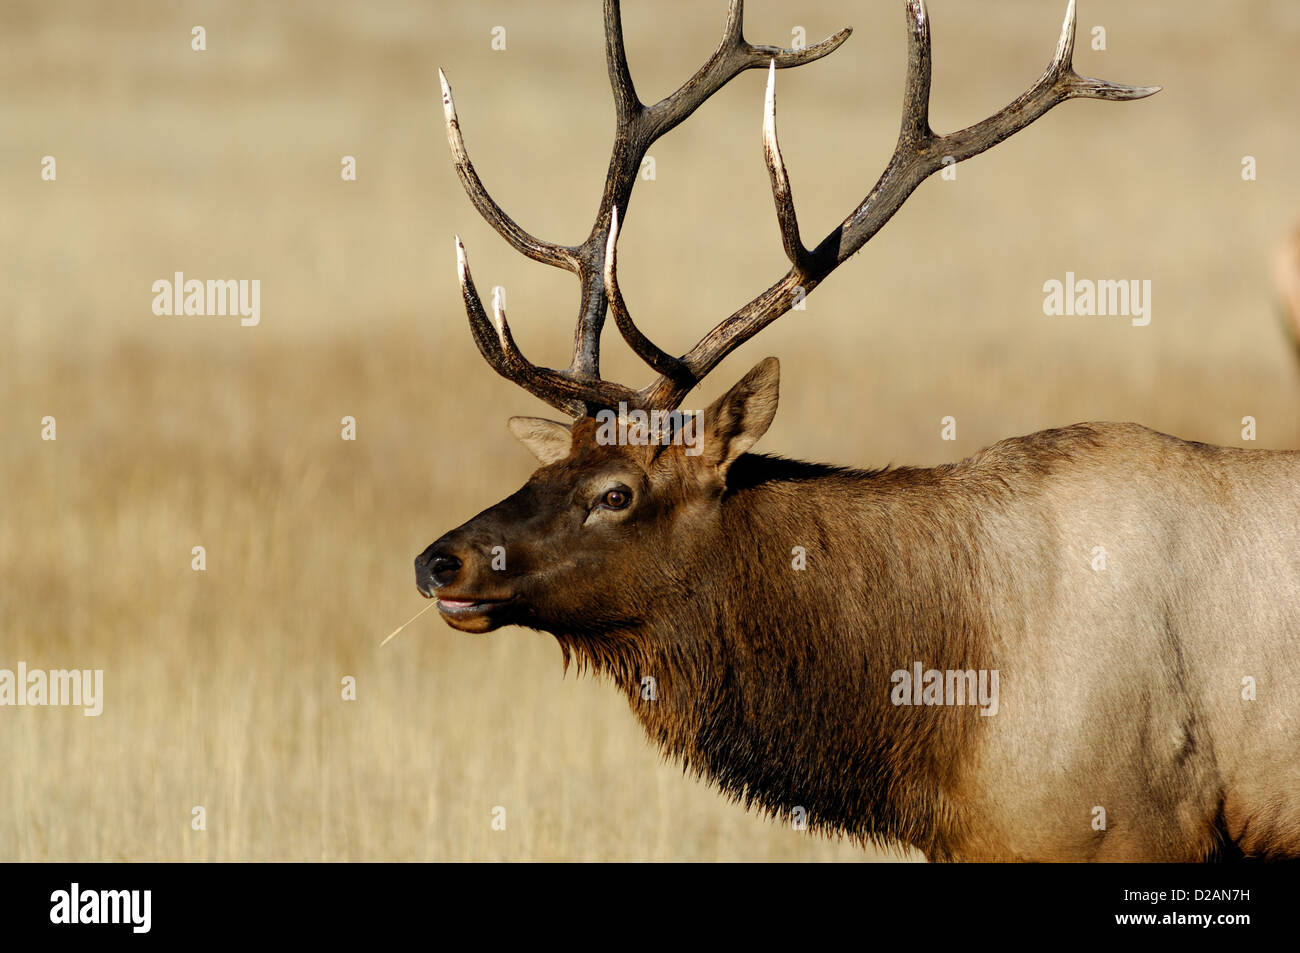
472 614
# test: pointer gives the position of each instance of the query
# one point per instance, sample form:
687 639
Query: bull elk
928 657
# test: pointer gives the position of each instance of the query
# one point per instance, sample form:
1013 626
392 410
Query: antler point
611 252
448 104
498 312
1065 46
769 115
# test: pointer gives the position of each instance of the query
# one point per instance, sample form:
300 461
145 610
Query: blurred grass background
223 687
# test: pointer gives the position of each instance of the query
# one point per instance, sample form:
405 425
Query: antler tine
733 55
915 131
1058 83
918 154
497 345
626 103
1085 87
785 212
658 359
560 256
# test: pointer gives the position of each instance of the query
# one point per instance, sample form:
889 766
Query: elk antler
919 153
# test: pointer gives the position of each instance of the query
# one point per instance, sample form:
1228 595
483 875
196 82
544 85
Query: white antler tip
611 241
448 105
461 266
611 249
769 106
499 311
1071 19
770 145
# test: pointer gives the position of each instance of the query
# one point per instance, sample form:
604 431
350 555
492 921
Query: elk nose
444 567
435 568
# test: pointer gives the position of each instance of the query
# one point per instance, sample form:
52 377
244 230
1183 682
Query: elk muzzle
456 572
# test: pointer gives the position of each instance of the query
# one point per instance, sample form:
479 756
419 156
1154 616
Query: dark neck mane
774 682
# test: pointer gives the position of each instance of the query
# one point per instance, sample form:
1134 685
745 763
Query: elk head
555 555
560 554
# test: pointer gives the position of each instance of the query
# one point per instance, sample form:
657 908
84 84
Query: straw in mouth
406 623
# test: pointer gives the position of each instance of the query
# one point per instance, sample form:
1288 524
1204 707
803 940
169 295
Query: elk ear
739 417
549 440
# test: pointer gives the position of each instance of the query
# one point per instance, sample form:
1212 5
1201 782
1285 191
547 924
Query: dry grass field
222 687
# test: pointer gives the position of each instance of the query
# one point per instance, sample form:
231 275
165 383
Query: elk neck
766 664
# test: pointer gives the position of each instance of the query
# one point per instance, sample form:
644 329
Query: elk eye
616 499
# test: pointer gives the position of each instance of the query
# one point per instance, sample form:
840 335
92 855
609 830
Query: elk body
1118 607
